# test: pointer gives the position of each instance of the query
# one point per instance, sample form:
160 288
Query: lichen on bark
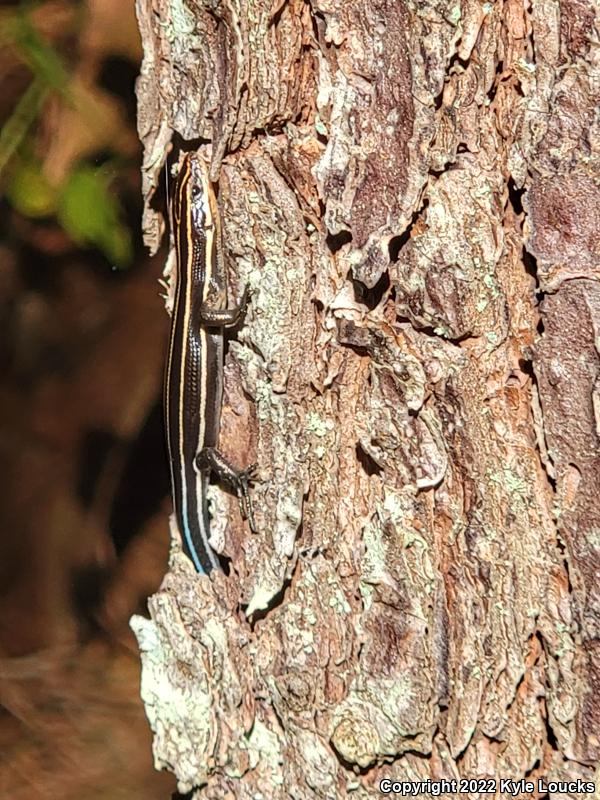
410 190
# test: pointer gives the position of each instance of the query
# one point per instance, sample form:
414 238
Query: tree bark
412 192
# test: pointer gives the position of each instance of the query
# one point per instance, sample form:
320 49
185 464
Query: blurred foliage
17 30
80 366
88 211
81 200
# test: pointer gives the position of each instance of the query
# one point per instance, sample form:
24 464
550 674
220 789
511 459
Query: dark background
84 494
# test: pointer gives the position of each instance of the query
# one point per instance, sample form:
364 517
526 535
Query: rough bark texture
412 191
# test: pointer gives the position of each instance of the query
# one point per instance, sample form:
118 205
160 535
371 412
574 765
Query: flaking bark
412 193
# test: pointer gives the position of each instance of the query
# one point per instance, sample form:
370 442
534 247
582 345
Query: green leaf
29 191
90 215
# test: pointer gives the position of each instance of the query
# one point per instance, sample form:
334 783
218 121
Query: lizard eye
196 191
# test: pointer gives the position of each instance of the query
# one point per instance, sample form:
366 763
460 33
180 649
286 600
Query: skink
194 369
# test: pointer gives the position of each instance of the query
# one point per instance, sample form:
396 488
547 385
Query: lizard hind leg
210 459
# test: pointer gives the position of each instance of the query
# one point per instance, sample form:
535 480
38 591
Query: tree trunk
411 191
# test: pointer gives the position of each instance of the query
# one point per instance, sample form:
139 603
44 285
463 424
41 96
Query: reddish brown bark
411 192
